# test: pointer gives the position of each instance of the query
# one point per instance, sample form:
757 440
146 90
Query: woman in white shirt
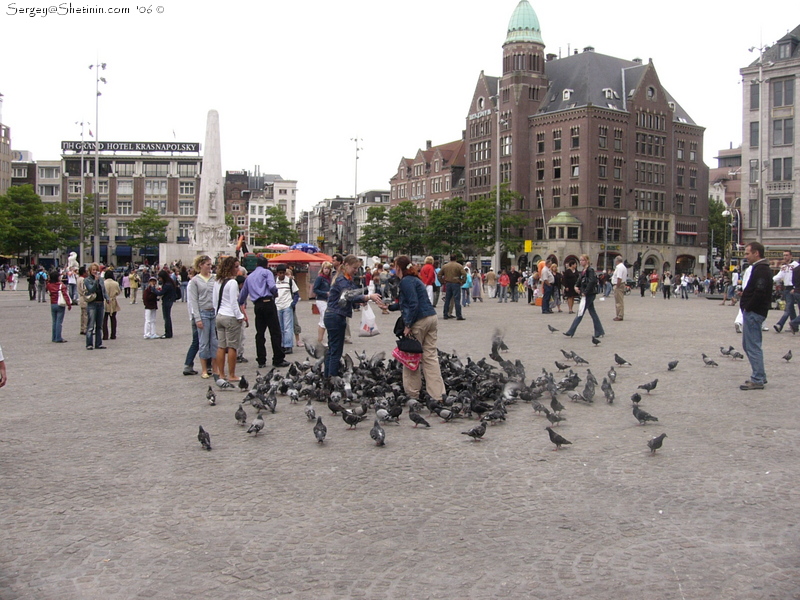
229 320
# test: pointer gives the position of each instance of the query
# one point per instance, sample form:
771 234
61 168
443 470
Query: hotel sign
131 146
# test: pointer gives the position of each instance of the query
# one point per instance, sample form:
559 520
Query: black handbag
410 344
399 326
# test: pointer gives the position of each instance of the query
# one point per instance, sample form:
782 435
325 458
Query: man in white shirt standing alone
618 279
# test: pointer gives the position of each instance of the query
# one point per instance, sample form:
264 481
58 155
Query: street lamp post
96 179
761 138
82 248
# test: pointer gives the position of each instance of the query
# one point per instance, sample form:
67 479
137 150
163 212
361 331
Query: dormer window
651 92
671 105
784 50
608 93
567 94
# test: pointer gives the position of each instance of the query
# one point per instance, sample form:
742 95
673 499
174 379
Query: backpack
177 291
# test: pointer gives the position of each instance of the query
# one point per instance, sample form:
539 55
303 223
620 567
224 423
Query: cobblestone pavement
106 493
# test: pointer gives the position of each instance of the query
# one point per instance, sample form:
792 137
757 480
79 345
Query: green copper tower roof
524 25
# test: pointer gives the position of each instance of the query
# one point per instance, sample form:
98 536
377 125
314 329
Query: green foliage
719 226
376 231
148 230
447 231
60 226
406 231
276 229
23 227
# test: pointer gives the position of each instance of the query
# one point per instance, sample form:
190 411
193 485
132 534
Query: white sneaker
738 328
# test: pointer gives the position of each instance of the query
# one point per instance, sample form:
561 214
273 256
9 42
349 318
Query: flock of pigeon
483 390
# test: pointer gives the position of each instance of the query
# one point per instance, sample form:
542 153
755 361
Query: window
103 206
186 188
680 173
602 169
755 91
692 179
783 92
19 172
49 172
754 170
782 132
557 168
74 187
185 229
539 170
124 169
572 233
602 191
556 197
505 145
617 140
782 169
124 187
156 169
155 187
574 195
186 208
693 151
566 94
540 142
753 213
692 205
602 138
780 212
785 50
49 190
575 134
574 166
557 140
124 207
102 187
159 205
681 146
617 168
187 169
617 197
539 198
122 229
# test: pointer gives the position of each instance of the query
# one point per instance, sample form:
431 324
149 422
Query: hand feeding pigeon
204 438
476 433
241 416
621 361
672 364
211 397
656 443
378 434
708 361
320 431
557 439
642 416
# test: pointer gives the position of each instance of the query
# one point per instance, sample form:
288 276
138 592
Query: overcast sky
294 81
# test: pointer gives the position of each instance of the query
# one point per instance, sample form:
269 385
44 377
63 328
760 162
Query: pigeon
351 418
578 360
552 329
567 354
257 425
561 366
649 386
378 434
553 417
418 419
735 355
642 416
621 361
595 341
612 375
211 397
726 352
204 438
476 433
243 385
636 398
708 361
609 394
320 430
557 439
241 416
224 385
334 407
556 405
672 364
788 356
309 410
656 442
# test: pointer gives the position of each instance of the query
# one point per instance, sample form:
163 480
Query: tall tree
447 231
60 226
276 229
148 230
406 229
480 218
23 228
718 228
375 238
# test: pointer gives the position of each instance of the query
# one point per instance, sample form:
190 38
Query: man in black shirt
755 303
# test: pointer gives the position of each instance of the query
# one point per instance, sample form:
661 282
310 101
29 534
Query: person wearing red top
54 288
427 275
504 282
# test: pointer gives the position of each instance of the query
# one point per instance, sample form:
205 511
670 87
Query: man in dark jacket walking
755 303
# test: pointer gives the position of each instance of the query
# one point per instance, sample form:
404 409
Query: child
150 301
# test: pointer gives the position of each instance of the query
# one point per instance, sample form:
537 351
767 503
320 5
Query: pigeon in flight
476 433
241 416
557 439
211 397
788 356
708 361
621 361
320 431
649 386
378 434
642 416
204 438
257 425
672 364
656 443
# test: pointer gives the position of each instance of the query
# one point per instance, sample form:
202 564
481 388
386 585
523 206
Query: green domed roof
564 218
524 25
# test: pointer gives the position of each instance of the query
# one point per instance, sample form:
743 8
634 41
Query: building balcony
182 239
121 238
780 187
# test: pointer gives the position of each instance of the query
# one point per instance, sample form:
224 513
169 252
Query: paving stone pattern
107 494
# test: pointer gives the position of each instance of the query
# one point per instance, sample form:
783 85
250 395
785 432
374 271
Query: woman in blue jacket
344 293
420 321
322 284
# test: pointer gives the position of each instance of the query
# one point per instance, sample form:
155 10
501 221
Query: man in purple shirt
260 287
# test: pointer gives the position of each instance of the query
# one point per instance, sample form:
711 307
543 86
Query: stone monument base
187 252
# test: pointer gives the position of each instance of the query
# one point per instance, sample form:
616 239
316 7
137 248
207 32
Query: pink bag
407 359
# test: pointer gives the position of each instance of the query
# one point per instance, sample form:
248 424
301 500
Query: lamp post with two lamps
96 179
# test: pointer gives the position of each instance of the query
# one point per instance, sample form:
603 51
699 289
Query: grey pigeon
649 386
612 375
656 443
788 356
553 417
243 385
708 361
636 398
726 352
204 438
556 405
578 360
642 416
241 416
378 434
309 410
418 419
561 366
621 361
320 431
211 397
552 329
476 433
568 354
557 439
596 341
351 418
735 355
671 365
257 425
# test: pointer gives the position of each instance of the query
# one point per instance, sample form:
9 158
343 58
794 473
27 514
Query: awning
686 232
123 251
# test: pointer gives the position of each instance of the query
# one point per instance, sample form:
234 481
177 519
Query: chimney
637 60
550 57
427 144
589 49
575 52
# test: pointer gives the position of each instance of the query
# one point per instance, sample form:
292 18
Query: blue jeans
514 292
57 313
286 320
598 327
94 324
207 336
73 292
503 295
465 296
335 326
751 340
795 323
184 291
166 311
788 312
452 293
194 347
548 293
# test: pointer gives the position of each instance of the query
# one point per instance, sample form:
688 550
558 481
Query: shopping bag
407 359
314 309
582 306
368 325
